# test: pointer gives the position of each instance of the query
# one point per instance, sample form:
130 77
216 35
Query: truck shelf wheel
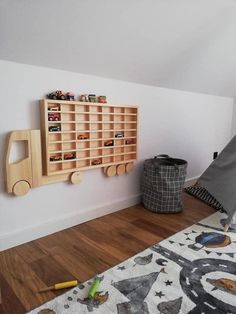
111 171
76 177
120 169
129 167
21 188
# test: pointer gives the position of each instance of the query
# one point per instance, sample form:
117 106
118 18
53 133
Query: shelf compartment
130 134
82 108
119 141
95 153
129 148
67 117
130 110
95 118
107 109
119 126
119 110
107 134
82 127
55 166
80 145
66 107
118 158
107 151
94 109
69 165
95 135
96 144
81 117
53 147
107 160
130 156
54 137
67 127
82 163
95 126
83 154
119 118
131 119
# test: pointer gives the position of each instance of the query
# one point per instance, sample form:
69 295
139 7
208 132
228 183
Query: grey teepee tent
219 180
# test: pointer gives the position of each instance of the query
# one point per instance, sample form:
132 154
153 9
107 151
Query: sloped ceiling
181 44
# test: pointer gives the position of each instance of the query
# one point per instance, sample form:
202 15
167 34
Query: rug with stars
193 271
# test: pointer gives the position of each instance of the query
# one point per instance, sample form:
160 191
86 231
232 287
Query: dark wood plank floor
85 250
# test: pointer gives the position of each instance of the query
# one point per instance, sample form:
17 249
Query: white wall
182 124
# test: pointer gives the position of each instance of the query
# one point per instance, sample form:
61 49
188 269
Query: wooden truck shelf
74 136
83 130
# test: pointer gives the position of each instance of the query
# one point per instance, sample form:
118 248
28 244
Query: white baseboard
59 223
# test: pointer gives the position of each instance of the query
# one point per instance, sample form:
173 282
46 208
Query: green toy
93 289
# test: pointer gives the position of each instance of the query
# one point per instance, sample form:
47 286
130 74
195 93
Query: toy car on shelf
54 108
69 156
109 143
58 94
92 98
102 99
70 96
119 134
82 136
96 162
129 141
53 116
54 128
55 158
83 98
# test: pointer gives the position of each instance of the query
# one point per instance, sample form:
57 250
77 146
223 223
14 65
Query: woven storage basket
162 184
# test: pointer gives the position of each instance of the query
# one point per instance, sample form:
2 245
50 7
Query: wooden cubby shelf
81 135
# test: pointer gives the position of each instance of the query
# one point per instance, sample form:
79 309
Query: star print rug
193 271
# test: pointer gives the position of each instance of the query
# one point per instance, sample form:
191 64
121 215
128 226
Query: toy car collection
83 136
55 158
53 116
54 128
68 156
96 162
109 143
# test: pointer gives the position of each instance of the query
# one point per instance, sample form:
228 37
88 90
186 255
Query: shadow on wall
3 151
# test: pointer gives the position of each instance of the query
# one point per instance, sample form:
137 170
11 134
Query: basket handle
162 156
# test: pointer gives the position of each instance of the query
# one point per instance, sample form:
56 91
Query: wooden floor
85 250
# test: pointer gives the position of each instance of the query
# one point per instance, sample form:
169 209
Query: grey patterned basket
162 184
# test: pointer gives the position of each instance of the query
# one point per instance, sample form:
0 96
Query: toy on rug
95 298
61 285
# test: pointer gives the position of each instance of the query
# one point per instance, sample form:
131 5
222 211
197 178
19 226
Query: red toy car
55 158
96 162
69 156
109 143
102 99
53 117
